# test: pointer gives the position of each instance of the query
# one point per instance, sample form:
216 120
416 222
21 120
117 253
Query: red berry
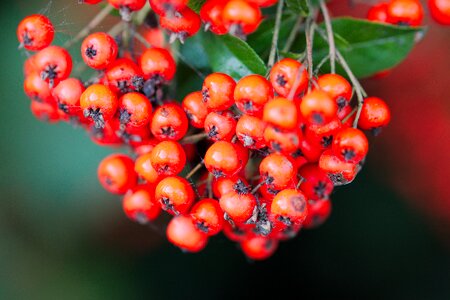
284 141
317 107
259 247
263 3
67 95
339 171
224 185
143 167
132 5
169 122
318 213
405 12
211 15
351 145
250 131
167 7
140 205
195 109
124 76
289 206
44 111
281 113
99 50
157 64
168 158
116 173
35 32
315 182
175 194
37 89
183 233
440 11
182 24
288 74
53 64
252 92
98 103
220 126
223 159
241 17
378 13
135 110
278 171
337 87
239 208
217 91
208 216
375 114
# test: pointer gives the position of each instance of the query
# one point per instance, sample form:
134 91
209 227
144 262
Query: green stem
276 33
293 34
330 35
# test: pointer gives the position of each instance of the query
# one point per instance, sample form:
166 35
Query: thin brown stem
347 117
276 32
209 185
293 34
256 188
330 35
194 170
192 139
309 49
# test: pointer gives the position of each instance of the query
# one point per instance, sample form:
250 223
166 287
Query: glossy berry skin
316 184
124 76
224 185
220 126
37 89
135 110
283 141
99 50
35 32
323 135
282 113
252 92
195 109
375 114
67 95
157 63
116 173
337 87
278 171
175 195
405 12
378 13
288 74
183 233
263 3
106 136
217 91
318 108
250 131
168 158
53 64
132 5
239 208
208 216
144 168
289 206
140 205
211 15
169 122
241 17
183 24
44 111
440 11
339 171
351 145
259 247
222 159
99 104
167 7
318 213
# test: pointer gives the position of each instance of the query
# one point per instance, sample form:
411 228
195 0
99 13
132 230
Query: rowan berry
222 159
339 171
252 92
224 185
183 233
318 108
378 13
259 247
351 145
195 109
405 12
250 131
168 158
99 50
99 103
318 213
263 3
281 113
211 15
35 32
241 17
167 7
337 87
290 207
283 141
116 173
323 135
53 64
37 89
44 111
315 182
124 76
288 74
157 64
277 171
143 167
135 110
169 122
208 216
217 91
238 208
67 95
238 233
140 205
131 5
175 195
375 114
220 125
106 136
440 11
182 24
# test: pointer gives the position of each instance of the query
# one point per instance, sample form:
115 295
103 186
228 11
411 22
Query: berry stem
293 34
194 170
256 188
330 35
209 185
349 115
321 63
276 32
192 139
90 26
296 83
309 34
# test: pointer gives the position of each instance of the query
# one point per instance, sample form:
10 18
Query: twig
309 34
330 35
349 115
291 38
209 185
192 139
276 32
194 170
321 63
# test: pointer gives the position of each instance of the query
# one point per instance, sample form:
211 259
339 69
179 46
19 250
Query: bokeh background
63 237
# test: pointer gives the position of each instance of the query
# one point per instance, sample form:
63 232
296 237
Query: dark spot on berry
137 82
124 116
320 189
202 227
285 220
298 203
326 141
317 118
218 173
376 131
27 40
109 181
241 188
140 217
297 153
168 206
63 107
96 116
212 133
276 146
281 80
337 179
164 112
248 105
205 95
248 141
50 72
268 179
168 131
348 154
123 86
90 52
341 103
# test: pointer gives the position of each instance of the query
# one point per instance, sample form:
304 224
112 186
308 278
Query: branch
330 36
276 32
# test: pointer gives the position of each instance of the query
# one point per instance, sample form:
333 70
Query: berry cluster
256 159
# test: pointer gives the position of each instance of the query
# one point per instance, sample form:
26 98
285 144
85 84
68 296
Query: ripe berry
323 135
135 110
157 64
220 126
263 3
223 159
252 92
37 89
44 111
288 74
183 233
277 171
167 7
440 11
375 114
35 32
339 171
99 50
53 64
281 113
140 205
168 158
239 208
98 103
175 195
241 17
116 173
124 76
131 5
316 184
169 122
337 87
351 145
143 167
182 24
289 206
67 95
317 107
211 15
318 213
224 185
284 141
259 247
195 109
405 12
208 216
250 131
105 136
217 91
378 13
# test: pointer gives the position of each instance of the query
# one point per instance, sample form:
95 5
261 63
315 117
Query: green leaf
232 56
298 6
196 5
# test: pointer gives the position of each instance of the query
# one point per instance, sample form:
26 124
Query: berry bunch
256 159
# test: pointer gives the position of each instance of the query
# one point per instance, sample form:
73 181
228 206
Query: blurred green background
63 237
